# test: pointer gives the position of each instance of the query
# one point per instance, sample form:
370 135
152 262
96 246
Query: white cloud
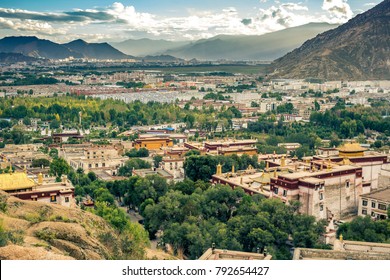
339 10
31 26
129 15
295 7
281 16
120 21
371 4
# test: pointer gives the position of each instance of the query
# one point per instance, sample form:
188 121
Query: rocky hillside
357 50
15 57
32 230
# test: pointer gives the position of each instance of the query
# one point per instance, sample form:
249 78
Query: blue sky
104 20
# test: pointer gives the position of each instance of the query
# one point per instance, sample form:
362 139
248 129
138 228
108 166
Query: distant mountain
15 57
241 47
95 50
35 47
142 47
161 58
357 50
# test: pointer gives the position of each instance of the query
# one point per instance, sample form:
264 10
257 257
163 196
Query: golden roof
15 181
265 178
351 147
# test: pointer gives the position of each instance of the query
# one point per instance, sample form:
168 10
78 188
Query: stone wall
336 191
317 254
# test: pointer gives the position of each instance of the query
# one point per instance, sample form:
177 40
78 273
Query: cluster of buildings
103 160
334 184
349 181
224 147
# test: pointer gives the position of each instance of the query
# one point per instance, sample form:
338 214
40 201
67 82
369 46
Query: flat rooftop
218 254
346 250
302 174
382 194
231 141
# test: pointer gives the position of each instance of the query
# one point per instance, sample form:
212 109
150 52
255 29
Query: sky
110 21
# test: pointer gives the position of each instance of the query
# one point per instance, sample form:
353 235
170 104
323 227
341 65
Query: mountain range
229 47
356 50
39 48
243 47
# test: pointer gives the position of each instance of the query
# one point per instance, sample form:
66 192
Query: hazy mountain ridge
244 47
145 47
229 47
161 58
357 50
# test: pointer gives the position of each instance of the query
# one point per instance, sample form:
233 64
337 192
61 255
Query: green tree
54 124
59 167
317 106
134 163
53 153
365 229
156 160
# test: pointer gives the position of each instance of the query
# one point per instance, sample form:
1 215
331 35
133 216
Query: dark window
373 204
67 199
321 207
364 211
276 190
284 192
365 202
53 198
321 196
381 206
347 184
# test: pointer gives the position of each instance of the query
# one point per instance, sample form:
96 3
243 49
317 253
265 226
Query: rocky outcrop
356 50
34 230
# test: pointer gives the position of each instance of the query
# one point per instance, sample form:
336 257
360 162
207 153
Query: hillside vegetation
34 230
